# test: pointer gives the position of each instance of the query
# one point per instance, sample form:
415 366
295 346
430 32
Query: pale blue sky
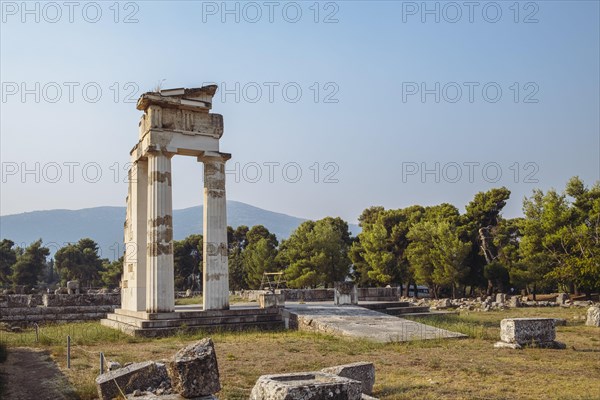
368 61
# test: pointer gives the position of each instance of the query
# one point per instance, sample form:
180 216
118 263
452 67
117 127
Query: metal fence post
68 351
101 363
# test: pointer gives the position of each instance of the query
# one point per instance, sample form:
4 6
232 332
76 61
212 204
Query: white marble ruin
175 122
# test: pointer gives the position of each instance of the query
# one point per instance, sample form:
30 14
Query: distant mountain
105 225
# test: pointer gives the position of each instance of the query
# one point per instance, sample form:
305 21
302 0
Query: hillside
105 225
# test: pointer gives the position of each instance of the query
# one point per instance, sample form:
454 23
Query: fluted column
215 273
133 287
160 296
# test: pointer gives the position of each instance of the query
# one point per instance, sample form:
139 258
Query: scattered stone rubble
193 373
498 302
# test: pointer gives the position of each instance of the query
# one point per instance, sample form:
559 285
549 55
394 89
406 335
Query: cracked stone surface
359 322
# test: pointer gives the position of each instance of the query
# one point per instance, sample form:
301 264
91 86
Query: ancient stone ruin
193 372
345 293
24 309
364 372
175 122
593 316
516 333
342 382
305 385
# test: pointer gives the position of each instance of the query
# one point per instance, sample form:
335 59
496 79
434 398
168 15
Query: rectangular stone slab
527 330
135 376
305 385
363 372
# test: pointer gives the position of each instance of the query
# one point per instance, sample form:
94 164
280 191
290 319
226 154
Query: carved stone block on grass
519 332
593 316
305 385
135 376
194 371
364 372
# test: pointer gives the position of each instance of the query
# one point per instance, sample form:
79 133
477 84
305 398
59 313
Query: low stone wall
23 309
364 294
378 294
291 294
498 302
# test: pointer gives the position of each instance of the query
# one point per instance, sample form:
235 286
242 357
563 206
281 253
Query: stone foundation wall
23 309
378 294
364 294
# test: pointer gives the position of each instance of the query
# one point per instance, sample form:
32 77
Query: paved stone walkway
355 321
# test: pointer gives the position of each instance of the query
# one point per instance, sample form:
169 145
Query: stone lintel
197 99
176 143
208 156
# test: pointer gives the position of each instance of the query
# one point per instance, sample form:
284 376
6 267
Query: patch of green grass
429 369
197 300
81 333
461 324
186 301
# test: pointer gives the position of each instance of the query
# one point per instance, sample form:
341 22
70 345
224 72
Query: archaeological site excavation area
284 200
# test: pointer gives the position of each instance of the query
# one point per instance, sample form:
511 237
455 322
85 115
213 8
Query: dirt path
31 374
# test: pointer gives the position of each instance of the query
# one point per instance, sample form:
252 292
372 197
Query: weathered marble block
305 385
363 372
268 300
593 316
514 302
194 371
135 376
345 293
518 332
562 298
73 287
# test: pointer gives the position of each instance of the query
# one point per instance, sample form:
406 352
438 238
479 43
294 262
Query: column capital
209 156
167 151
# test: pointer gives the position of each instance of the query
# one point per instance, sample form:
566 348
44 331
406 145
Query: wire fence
57 336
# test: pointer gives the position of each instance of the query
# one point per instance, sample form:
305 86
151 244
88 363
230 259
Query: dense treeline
554 246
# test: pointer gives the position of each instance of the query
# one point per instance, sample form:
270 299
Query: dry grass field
441 369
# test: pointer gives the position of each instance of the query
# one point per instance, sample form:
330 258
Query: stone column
215 273
160 296
133 292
